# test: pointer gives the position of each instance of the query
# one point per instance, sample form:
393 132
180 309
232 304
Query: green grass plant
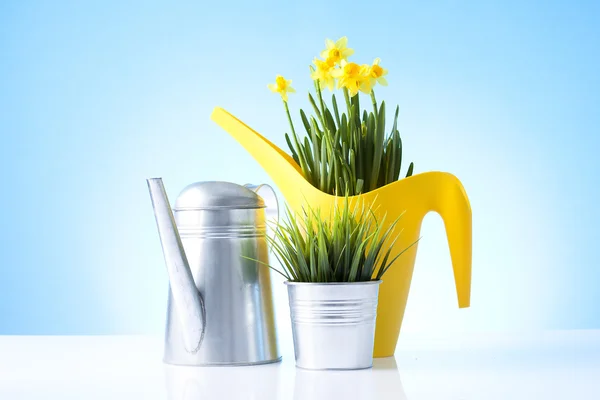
350 246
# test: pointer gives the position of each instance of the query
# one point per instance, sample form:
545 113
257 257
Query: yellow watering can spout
278 164
412 198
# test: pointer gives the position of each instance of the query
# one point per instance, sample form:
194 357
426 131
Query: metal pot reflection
259 382
381 382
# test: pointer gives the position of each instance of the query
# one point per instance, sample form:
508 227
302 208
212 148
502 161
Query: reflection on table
380 382
284 381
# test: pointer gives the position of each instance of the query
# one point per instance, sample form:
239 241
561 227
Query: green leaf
313 262
410 170
397 143
359 186
330 122
324 265
351 128
307 149
346 175
316 151
387 267
335 109
335 144
395 127
352 165
317 111
344 129
389 163
331 156
323 170
341 183
356 259
304 164
376 151
305 121
356 105
291 147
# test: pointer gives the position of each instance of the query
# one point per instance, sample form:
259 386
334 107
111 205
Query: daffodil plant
347 152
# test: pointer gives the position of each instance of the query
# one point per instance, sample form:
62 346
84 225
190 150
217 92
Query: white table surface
544 365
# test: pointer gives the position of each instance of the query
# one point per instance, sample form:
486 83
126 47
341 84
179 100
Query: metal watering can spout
188 300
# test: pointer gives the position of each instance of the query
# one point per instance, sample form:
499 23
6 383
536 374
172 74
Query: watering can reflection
411 197
220 309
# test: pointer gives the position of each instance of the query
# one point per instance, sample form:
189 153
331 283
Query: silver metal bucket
333 324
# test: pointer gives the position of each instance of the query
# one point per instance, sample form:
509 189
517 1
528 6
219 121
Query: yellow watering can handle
447 197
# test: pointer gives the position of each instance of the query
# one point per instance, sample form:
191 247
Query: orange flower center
352 70
376 71
324 66
281 84
334 54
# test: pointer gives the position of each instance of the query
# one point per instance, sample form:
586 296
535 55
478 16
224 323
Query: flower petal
382 81
377 61
272 86
329 44
347 53
341 42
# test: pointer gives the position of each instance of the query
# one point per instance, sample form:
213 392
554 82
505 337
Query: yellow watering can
414 196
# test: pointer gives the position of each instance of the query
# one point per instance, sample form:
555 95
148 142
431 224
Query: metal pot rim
289 283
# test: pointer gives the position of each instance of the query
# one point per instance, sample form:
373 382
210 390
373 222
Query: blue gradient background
96 97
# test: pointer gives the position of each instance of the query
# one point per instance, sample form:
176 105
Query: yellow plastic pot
415 196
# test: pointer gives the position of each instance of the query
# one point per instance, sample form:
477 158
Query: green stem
350 120
374 103
356 103
320 97
287 111
375 109
322 104
347 97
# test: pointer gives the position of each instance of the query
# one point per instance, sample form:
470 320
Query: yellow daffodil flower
282 86
337 51
365 83
323 73
352 76
376 73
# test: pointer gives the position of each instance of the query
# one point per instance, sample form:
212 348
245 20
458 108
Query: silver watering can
220 309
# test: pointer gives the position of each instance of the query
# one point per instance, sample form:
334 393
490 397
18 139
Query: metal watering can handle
267 193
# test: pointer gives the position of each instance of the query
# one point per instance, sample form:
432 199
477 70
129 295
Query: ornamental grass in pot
333 267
